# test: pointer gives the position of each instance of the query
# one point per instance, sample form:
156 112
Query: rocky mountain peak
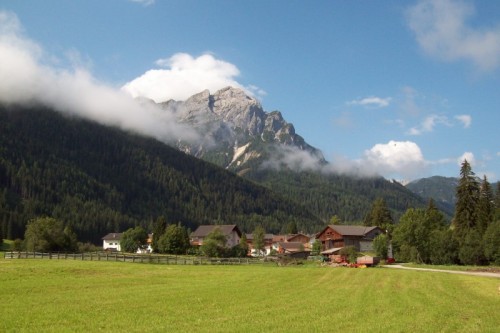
233 120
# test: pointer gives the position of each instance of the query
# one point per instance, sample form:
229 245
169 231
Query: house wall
299 238
330 238
111 244
374 233
365 245
233 239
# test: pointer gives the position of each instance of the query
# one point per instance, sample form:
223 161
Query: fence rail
136 258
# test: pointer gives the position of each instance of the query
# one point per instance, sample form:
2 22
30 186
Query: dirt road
486 274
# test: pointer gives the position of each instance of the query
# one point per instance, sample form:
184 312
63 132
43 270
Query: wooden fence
136 258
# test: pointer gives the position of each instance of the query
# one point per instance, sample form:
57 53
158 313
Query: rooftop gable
349 230
113 236
226 229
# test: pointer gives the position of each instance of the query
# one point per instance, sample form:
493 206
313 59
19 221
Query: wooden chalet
231 231
268 244
339 236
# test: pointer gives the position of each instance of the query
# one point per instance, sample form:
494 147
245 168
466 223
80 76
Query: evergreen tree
259 240
434 216
159 228
466 210
497 202
291 228
486 206
491 241
380 216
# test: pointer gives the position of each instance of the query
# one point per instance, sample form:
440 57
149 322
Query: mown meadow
85 296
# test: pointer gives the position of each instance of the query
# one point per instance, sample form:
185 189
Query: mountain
263 147
237 131
441 189
100 179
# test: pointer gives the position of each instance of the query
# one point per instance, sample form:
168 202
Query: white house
111 241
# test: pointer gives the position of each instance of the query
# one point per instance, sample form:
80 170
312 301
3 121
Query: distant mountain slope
100 179
263 146
441 189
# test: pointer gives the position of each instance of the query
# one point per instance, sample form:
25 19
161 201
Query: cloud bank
430 122
183 75
443 31
372 101
31 81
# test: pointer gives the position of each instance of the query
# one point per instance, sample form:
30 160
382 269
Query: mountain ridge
232 121
100 179
262 146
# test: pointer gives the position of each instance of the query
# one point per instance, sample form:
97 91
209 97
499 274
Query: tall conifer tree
380 216
467 202
486 208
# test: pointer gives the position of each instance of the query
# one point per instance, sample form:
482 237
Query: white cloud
443 31
372 101
395 159
293 158
403 158
184 76
465 119
144 2
467 156
428 124
74 90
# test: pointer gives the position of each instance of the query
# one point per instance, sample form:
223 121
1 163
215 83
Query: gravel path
486 274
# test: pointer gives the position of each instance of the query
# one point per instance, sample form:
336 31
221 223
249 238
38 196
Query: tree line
424 236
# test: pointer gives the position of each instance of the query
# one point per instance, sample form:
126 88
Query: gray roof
226 229
291 245
332 250
352 230
113 236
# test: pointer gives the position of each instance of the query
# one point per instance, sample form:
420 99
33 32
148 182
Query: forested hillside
99 179
349 198
441 189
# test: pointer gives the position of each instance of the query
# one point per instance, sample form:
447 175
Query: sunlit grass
76 296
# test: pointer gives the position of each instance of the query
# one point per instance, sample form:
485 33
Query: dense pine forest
348 198
98 179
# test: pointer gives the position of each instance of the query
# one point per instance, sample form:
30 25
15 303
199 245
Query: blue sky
406 88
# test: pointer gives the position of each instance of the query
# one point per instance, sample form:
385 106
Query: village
329 242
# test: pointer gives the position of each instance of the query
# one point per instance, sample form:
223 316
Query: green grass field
76 296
